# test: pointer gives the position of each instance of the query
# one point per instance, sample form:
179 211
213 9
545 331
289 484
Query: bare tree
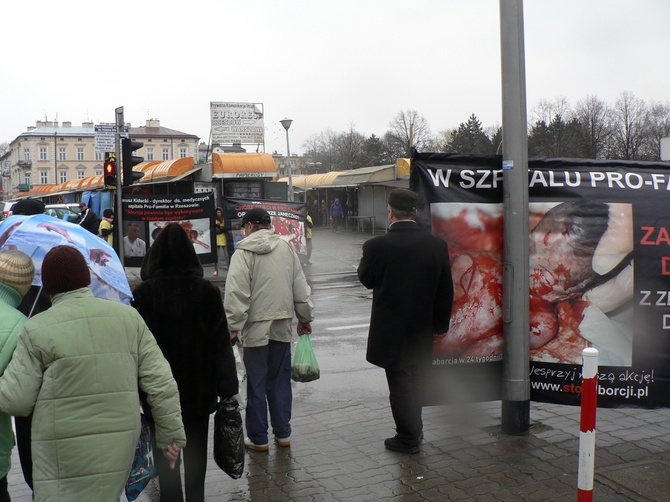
629 128
658 127
593 116
350 149
408 129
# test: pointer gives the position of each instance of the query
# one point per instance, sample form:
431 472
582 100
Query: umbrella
36 235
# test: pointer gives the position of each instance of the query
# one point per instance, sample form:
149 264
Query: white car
62 212
6 208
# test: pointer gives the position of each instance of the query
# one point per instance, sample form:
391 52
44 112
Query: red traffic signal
110 173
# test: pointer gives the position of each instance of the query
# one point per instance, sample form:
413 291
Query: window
182 152
26 154
80 153
26 178
44 153
62 176
98 172
44 177
98 156
80 174
150 154
166 154
62 153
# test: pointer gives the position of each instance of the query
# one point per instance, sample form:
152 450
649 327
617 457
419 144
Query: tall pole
118 216
287 123
516 345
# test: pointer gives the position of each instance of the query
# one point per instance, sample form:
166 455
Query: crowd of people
78 371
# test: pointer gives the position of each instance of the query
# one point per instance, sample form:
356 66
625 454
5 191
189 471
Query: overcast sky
326 65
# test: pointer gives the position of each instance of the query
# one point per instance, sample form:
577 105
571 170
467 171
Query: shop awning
349 178
168 169
243 165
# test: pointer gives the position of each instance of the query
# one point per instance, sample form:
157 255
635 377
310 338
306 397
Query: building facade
50 153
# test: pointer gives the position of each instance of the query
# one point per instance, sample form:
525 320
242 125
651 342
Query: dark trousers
195 465
268 387
23 437
4 490
405 405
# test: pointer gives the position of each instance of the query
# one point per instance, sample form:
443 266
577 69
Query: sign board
105 136
240 123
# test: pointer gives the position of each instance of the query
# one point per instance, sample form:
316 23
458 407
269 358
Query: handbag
143 469
304 367
229 438
241 396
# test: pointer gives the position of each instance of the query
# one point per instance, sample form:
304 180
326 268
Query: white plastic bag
241 397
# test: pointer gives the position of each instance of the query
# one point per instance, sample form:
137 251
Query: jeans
268 387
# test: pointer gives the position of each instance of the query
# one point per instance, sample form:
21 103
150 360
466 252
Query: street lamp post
287 123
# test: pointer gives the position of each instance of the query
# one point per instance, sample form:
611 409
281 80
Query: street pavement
337 450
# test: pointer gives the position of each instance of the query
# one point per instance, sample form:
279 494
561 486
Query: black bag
229 438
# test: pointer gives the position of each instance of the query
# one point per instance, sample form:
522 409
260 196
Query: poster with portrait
599 273
144 216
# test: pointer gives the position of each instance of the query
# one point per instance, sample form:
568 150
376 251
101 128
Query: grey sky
326 65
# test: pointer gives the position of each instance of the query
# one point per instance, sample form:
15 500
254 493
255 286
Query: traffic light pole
118 216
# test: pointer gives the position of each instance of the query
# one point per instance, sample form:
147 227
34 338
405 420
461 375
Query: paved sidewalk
337 450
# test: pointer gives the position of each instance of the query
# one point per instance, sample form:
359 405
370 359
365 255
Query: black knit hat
28 207
64 269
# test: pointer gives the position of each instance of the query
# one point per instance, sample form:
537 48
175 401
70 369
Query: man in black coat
409 272
88 219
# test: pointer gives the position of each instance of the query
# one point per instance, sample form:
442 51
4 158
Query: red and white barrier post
587 426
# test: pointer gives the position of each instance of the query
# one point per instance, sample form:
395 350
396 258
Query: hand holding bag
304 367
229 438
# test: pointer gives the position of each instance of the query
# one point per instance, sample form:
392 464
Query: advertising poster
599 265
288 220
144 216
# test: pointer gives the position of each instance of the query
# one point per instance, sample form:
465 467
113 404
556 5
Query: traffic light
128 146
110 170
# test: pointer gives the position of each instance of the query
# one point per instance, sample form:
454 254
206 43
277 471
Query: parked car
62 212
72 206
6 208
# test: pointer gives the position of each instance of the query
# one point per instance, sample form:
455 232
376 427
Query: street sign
105 137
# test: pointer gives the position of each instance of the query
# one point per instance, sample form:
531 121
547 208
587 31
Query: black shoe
395 444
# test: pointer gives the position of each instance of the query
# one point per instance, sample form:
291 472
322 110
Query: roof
243 165
163 170
150 132
352 177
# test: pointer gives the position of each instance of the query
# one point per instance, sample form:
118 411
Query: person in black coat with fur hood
185 314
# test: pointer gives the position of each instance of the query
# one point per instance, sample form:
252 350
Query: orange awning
243 165
166 169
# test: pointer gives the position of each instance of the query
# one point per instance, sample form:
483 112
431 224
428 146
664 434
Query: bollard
587 425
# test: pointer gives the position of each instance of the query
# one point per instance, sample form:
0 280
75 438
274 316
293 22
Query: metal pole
516 349
587 424
290 172
118 217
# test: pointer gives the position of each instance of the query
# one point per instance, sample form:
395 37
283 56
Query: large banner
144 216
288 220
599 264
237 123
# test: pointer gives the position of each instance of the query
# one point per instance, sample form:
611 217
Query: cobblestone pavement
337 450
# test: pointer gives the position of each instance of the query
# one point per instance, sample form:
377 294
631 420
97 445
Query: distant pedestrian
221 240
324 213
16 276
337 214
265 287
185 314
309 224
409 273
106 227
79 368
88 219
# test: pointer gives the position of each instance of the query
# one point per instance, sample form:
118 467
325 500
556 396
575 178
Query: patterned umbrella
36 235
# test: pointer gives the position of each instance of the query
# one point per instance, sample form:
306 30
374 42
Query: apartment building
50 153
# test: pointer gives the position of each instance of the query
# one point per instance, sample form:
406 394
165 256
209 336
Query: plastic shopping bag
229 438
143 469
241 396
304 367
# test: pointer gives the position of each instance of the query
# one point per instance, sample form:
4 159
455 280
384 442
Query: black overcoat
409 272
185 314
